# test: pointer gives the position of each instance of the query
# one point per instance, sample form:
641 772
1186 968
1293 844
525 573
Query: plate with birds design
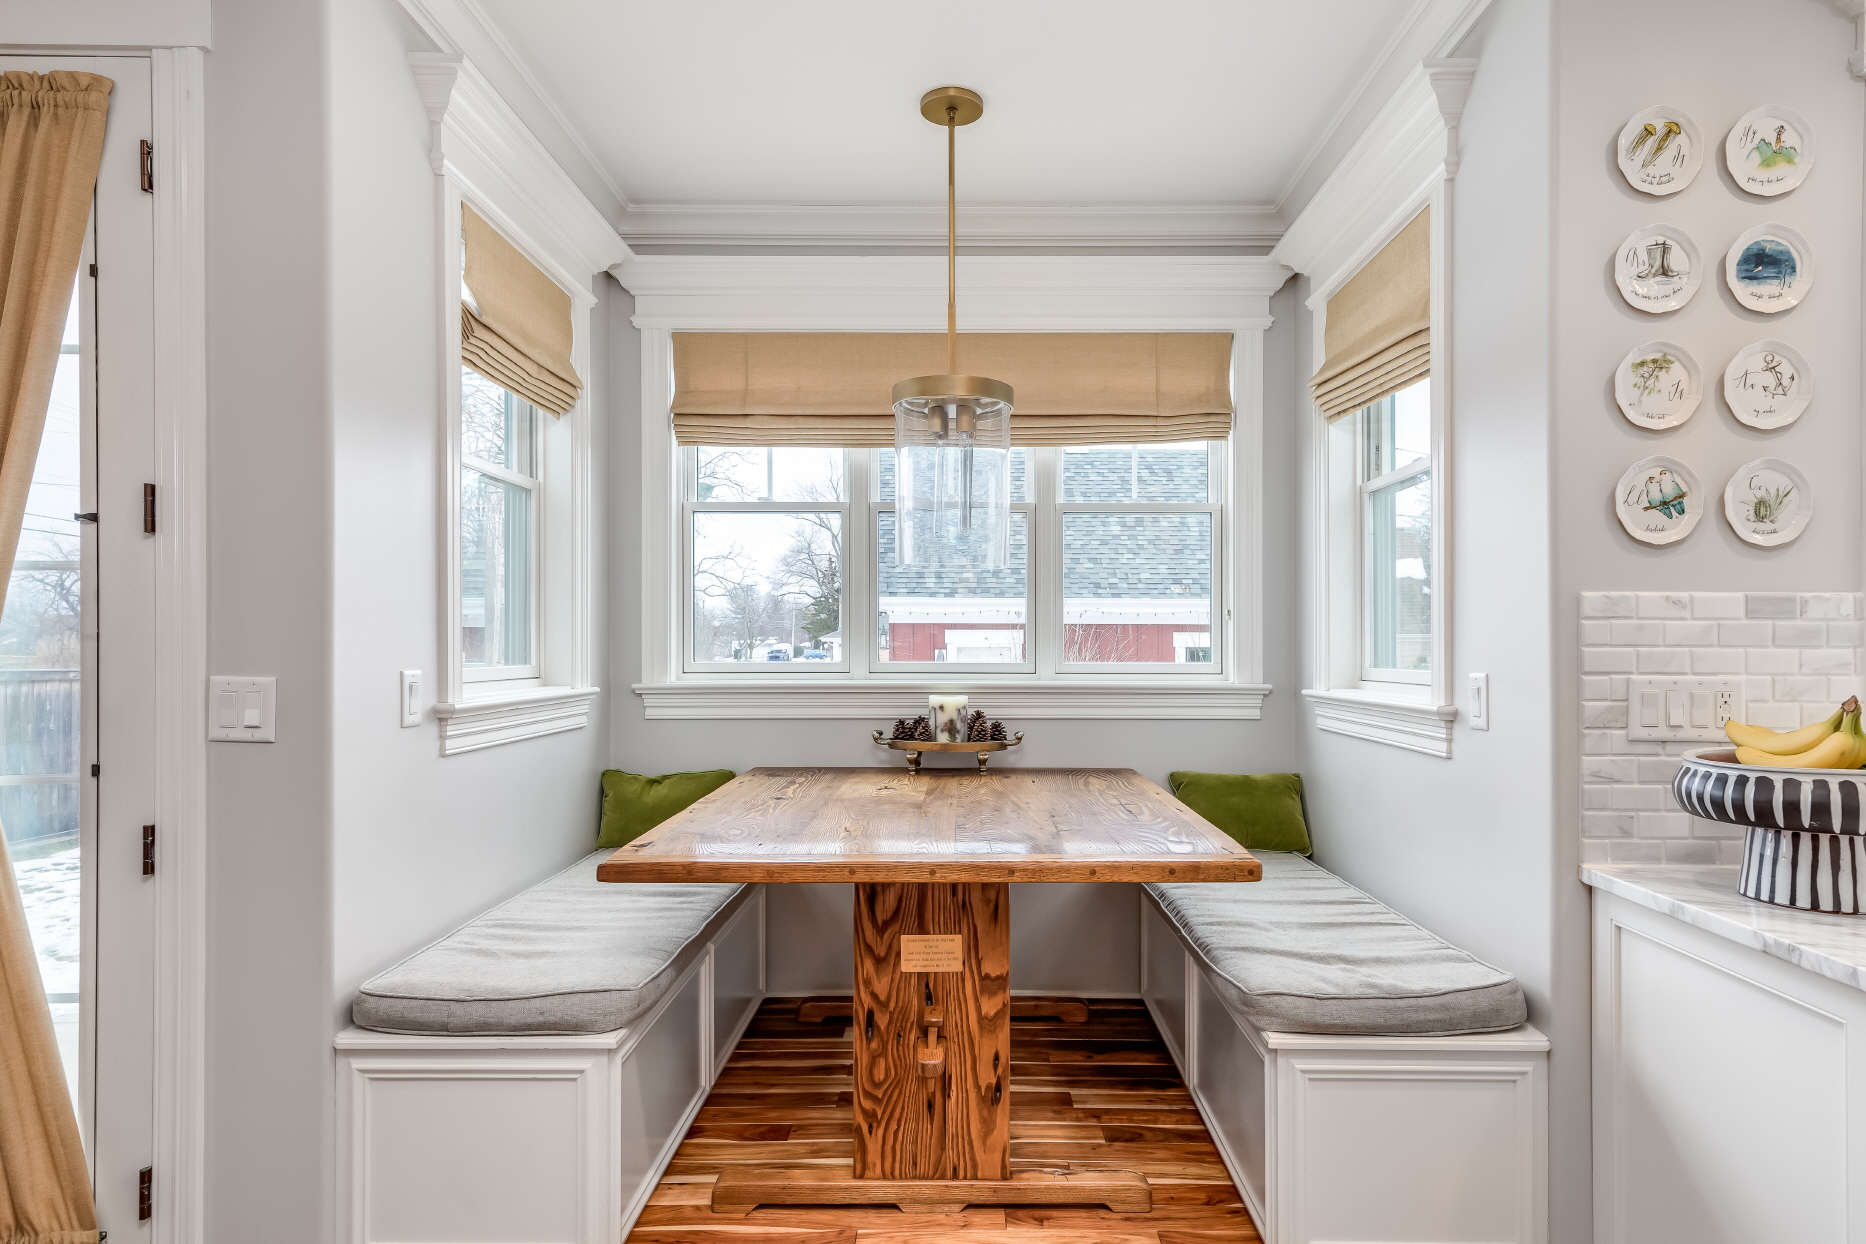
1767 502
1660 151
1658 501
1770 150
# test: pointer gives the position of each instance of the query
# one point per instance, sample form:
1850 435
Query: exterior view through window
40 684
787 548
1396 504
498 530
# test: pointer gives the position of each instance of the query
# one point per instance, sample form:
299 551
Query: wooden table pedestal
932 1024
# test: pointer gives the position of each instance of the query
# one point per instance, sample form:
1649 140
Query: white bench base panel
544 1140
1359 1138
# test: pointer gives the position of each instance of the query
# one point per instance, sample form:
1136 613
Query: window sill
878 700
1386 717
487 720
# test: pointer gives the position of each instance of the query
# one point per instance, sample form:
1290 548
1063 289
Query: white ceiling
748 119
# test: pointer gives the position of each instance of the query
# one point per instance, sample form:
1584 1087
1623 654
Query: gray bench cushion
1304 951
571 954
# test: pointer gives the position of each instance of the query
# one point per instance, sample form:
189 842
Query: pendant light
952 433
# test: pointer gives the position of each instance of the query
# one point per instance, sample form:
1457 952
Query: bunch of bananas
1837 743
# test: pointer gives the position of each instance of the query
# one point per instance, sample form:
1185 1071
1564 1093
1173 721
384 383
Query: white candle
947 710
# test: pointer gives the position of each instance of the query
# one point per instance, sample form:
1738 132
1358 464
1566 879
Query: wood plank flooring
1101 1095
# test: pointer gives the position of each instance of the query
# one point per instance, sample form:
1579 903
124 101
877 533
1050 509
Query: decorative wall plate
1658 386
1660 151
1770 151
1767 385
1769 268
1767 501
1658 501
1658 269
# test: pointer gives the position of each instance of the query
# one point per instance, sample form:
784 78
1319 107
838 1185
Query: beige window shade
1379 326
837 388
518 335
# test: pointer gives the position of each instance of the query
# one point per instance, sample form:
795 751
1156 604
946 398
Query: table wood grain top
832 825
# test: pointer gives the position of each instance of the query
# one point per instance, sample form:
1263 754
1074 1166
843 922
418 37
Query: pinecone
923 730
997 733
901 729
976 730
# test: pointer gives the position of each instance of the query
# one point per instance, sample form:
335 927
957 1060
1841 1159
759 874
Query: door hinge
148 850
145 1194
148 167
93 271
89 516
148 509
94 770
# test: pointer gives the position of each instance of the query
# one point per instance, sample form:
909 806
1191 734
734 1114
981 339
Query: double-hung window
789 557
500 500
1396 537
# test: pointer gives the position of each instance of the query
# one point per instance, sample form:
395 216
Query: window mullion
858 562
1043 580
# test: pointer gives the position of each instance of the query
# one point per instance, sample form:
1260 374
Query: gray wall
350 841
1466 846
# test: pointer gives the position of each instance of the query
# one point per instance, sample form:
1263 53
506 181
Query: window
790 566
500 491
1396 525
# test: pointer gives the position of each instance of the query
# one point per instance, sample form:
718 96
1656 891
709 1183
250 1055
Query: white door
77 673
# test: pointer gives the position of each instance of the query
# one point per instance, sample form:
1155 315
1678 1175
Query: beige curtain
1379 326
517 332
837 388
51 139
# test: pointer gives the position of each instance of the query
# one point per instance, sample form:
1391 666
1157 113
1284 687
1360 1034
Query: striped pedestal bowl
1803 844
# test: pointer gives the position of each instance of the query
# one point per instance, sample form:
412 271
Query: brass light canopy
952 432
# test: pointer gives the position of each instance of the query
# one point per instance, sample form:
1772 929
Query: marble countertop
1705 895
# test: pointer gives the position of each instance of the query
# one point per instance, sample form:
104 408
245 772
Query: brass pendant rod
952 244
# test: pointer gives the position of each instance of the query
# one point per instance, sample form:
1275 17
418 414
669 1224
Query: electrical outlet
1680 709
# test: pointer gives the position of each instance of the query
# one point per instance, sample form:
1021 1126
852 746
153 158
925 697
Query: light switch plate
240 710
1679 709
411 698
1479 716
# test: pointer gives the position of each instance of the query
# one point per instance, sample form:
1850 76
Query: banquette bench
1363 1079
528 1076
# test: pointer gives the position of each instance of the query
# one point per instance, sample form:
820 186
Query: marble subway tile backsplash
1798 655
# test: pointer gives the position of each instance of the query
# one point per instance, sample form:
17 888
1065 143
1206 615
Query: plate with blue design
1769 269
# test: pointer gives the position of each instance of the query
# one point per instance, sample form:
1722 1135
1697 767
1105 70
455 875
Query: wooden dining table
932 856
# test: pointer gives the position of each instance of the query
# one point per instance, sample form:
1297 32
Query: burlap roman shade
837 388
519 334
1379 326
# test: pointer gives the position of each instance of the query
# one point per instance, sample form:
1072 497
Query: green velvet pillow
1261 810
633 804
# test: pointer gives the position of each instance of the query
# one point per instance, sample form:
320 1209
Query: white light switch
411 698
1682 709
1480 702
242 710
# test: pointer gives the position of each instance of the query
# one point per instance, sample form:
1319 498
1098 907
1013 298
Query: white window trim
1404 162
772 293
483 155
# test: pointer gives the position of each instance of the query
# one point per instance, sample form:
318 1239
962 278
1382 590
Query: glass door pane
40 703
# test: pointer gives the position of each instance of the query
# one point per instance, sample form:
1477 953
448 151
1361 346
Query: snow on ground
49 886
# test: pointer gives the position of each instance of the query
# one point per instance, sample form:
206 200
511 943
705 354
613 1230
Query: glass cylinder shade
952 454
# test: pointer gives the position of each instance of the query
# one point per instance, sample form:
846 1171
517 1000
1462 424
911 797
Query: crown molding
779 224
904 293
1383 181
511 178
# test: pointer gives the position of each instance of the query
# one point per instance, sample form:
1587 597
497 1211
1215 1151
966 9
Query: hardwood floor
1100 1095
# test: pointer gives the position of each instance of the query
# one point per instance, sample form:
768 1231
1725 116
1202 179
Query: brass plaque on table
938 952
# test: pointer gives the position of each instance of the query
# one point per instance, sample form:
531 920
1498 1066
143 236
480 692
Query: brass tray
913 748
